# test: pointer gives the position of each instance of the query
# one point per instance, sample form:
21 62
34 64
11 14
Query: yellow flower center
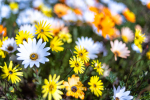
42 31
10 48
76 64
81 54
51 87
94 85
116 53
117 98
73 88
33 56
10 72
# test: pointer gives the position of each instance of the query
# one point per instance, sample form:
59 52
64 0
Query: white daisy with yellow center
33 53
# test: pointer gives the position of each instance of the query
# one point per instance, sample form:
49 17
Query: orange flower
3 31
78 11
60 9
94 9
148 5
130 16
117 19
106 11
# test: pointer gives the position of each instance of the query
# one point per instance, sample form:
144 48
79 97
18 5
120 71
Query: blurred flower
81 53
148 5
11 73
106 70
43 30
2 53
74 87
130 16
70 16
47 11
96 85
89 45
127 34
120 94
101 48
148 54
55 44
88 16
32 53
97 65
138 27
119 49
135 48
3 30
28 28
5 11
66 37
9 45
77 64
117 18
13 58
139 39
14 7
51 88
60 9
37 3
23 36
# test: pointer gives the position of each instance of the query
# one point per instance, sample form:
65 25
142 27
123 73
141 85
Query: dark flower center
51 87
73 88
76 64
42 30
33 56
10 72
117 98
10 48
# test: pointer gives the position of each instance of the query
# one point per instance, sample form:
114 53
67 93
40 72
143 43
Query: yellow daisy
11 73
51 88
23 36
74 87
56 44
96 85
148 54
78 64
82 53
97 65
13 6
66 37
2 53
43 30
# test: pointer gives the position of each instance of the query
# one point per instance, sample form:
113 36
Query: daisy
56 44
106 70
66 37
2 53
89 45
28 28
130 16
70 16
74 87
23 36
81 53
88 16
43 30
5 11
97 65
51 88
14 7
11 73
78 64
96 85
33 53
119 49
9 45
121 94
127 34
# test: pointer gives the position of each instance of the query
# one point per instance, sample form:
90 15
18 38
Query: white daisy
70 17
101 48
106 70
121 94
37 3
135 48
88 16
127 34
89 45
33 53
9 45
119 49
28 28
5 11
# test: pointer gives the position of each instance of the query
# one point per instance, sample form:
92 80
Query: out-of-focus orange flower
63 1
130 16
148 5
117 19
78 11
106 11
3 30
94 9
60 9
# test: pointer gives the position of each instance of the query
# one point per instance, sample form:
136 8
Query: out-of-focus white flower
127 34
91 2
135 48
5 11
106 70
121 94
119 49
106 1
33 53
88 16
70 16
28 28
89 45
9 45
37 3
144 2
116 7
76 4
101 48
52 1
